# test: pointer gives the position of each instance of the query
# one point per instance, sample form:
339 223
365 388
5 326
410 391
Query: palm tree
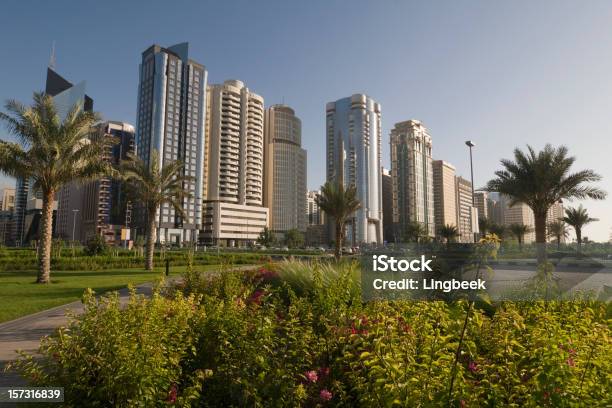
558 230
414 231
152 186
578 218
266 237
484 225
52 152
541 179
449 233
499 230
340 204
519 231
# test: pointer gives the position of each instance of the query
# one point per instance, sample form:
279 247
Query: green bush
96 245
291 335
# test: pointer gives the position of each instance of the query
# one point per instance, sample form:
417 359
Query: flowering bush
291 335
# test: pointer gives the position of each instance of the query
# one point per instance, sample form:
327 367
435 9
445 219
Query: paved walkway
25 332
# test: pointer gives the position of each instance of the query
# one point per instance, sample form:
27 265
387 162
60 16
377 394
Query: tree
499 230
449 233
558 230
294 238
577 218
414 231
266 237
340 203
151 186
541 179
519 231
52 152
484 225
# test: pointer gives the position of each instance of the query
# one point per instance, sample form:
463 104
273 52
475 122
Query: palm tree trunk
339 238
150 241
540 233
579 240
44 247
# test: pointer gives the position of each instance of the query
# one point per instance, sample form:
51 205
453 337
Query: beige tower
465 210
284 170
445 193
233 189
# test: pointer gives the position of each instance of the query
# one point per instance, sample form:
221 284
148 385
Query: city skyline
546 80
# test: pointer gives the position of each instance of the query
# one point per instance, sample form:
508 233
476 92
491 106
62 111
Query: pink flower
312 376
473 367
323 371
570 362
172 394
325 395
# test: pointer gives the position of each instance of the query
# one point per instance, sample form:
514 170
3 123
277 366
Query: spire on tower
52 58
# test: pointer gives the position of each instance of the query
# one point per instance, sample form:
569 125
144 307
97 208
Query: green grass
20 296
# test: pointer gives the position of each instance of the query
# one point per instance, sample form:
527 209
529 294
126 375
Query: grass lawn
20 296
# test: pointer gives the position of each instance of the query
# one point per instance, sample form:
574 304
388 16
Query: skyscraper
105 208
170 119
28 203
284 170
465 210
480 201
445 194
354 158
316 216
233 203
390 230
411 170
7 202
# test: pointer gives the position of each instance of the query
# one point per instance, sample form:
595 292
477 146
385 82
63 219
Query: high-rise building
105 208
316 216
234 214
519 213
465 210
391 231
7 202
354 158
284 170
412 174
445 194
28 203
170 119
480 201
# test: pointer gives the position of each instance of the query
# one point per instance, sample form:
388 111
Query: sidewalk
25 333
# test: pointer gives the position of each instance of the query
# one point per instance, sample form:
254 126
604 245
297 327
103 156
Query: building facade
234 171
391 231
171 118
353 128
412 175
445 193
316 216
466 211
284 170
480 201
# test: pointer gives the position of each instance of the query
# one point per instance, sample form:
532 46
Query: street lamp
471 144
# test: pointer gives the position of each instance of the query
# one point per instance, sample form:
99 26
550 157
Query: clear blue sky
503 74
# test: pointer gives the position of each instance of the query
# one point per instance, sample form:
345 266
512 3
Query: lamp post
471 144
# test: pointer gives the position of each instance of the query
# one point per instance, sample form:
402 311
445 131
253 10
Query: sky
502 74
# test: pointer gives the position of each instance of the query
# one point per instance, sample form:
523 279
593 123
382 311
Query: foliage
557 230
266 237
96 245
519 231
52 152
294 334
578 218
414 232
340 204
294 238
448 232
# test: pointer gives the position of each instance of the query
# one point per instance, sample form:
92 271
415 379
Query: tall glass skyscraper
285 170
171 119
354 158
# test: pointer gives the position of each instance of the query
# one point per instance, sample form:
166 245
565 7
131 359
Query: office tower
316 216
390 230
7 202
445 194
233 205
466 213
284 170
354 158
28 203
171 120
412 174
480 201
518 213
555 214
105 208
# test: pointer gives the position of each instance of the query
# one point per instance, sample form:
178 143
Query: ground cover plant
298 334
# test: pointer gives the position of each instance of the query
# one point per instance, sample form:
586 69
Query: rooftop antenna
52 58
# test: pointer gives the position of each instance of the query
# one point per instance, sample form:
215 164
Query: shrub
96 245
